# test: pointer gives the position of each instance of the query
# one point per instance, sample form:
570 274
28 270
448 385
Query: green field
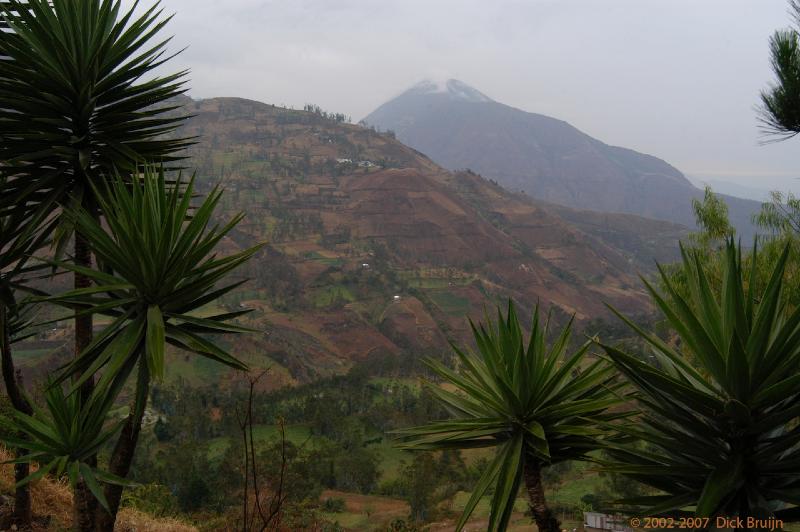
262 434
392 459
30 357
349 520
328 295
318 257
428 283
197 370
450 303
436 281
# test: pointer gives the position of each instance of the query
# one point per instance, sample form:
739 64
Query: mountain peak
459 127
455 89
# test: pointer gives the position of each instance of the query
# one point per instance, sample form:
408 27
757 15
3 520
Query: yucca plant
77 106
74 105
537 405
717 436
23 230
63 437
157 268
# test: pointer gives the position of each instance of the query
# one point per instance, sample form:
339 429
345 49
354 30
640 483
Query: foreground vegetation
705 426
536 404
81 136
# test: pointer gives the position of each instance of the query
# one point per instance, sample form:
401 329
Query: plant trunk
84 323
122 456
84 508
545 519
22 514
85 505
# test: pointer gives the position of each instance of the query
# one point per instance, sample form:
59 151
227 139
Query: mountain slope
458 127
376 254
375 250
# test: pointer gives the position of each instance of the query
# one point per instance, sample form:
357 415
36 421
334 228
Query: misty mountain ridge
460 127
730 188
451 88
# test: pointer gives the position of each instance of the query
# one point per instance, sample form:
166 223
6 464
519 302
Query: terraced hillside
375 250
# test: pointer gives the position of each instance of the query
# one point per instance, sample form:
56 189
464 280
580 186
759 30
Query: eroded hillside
374 249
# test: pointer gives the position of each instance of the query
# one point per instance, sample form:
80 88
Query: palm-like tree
76 106
23 230
537 405
718 436
780 103
157 267
73 103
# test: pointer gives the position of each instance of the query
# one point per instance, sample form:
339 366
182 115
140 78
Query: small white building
596 522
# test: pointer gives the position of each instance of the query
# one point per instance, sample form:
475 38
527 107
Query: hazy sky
678 79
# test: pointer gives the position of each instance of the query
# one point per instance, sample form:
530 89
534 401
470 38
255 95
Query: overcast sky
678 79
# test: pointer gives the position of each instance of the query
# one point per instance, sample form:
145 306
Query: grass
328 295
350 520
428 283
366 512
436 283
192 368
450 303
411 382
518 522
262 434
319 257
197 370
436 278
482 509
579 481
237 296
226 158
29 357
210 309
52 506
391 459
